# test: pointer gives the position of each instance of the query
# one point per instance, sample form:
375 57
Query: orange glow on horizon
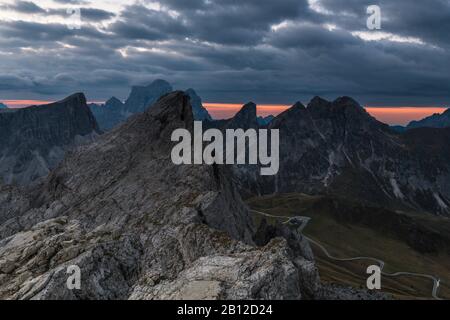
389 115
24 103
29 103
402 115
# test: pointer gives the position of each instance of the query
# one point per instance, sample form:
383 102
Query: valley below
335 226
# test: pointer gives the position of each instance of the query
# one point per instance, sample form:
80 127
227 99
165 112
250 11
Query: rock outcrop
34 140
140 227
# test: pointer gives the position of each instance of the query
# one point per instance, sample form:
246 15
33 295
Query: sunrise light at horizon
390 115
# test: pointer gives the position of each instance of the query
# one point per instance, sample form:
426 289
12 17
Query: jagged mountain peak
293 114
299 105
249 108
246 118
318 102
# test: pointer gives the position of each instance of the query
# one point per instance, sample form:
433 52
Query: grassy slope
344 240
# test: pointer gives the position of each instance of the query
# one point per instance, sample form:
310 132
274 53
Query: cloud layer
229 50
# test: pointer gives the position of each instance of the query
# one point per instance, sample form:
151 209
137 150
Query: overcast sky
276 51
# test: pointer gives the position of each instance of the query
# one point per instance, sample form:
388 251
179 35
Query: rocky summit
34 140
140 227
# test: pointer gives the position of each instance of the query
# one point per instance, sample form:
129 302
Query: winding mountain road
381 263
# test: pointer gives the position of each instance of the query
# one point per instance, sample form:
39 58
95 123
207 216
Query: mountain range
434 121
338 148
3 106
140 227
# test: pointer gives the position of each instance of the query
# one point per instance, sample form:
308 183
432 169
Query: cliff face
34 140
140 227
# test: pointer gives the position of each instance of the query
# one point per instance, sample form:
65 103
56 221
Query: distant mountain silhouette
3 106
141 97
435 121
114 112
264 121
245 119
110 114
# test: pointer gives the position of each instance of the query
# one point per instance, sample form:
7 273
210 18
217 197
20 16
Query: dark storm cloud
245 22
34 32
229 50
138 22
